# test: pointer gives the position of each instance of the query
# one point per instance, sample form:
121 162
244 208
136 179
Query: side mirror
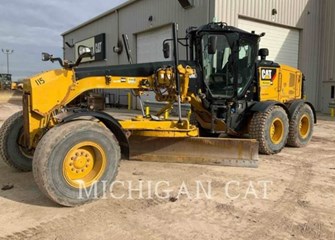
46 57
166 50
84 51
212 44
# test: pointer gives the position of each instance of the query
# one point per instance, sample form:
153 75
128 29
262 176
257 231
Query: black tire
270 129
301 126
11 152
53 153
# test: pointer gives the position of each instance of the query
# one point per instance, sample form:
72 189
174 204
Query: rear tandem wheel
301 126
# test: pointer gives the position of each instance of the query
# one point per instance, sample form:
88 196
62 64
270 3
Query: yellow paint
147 111
84 164
286 84
166 133
47 93
186 72
277 131
13 86
203 116
166 114
304 126
332 112
268 87
188 115
167 108
168 128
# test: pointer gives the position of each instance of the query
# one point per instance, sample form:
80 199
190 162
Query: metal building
298 33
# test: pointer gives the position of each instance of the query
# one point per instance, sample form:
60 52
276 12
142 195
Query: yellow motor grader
233 90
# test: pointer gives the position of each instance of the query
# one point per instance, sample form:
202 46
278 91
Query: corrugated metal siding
282 42
314 18
107 25
302 14
327 53
133 19
288 11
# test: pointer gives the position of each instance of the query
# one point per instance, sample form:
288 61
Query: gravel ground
290 196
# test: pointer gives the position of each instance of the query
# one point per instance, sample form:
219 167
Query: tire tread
4 134
45 147
257 129
293 140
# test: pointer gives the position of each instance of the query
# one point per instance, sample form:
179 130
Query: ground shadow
24 188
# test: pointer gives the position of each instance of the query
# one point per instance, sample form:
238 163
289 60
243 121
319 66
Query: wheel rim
84 164
277 131
304 126
24 151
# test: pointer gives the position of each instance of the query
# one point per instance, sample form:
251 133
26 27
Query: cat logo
268 74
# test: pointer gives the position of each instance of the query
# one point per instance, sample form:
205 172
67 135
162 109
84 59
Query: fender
111 123
294 105
264 106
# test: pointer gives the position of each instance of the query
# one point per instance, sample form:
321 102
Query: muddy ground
290 196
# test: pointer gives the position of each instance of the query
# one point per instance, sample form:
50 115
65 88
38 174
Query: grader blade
195 150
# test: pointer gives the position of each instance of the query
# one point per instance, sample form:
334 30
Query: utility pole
7 52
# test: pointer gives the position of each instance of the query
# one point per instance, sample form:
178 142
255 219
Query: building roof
128 2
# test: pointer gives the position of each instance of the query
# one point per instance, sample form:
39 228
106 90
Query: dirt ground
290 196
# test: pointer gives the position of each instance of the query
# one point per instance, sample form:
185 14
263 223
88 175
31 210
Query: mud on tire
301 126
73 153
270 129
11 152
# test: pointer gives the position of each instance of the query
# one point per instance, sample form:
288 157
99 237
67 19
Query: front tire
270 129
14 155
75 163
301 127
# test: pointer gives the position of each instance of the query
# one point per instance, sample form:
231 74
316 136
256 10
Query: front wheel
270 129
76 162
11 150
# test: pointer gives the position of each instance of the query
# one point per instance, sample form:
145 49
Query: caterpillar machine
232 88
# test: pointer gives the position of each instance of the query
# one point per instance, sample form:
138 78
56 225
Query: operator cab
228 57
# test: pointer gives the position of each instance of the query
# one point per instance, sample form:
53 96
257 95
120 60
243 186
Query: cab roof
219 27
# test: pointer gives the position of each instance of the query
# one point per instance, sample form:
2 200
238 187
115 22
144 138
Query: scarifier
231 92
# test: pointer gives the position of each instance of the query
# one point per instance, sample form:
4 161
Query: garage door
150 45
283 43
150 49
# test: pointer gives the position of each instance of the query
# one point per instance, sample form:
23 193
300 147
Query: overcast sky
30 27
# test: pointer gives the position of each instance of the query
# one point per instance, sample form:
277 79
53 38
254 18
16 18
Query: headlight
84 50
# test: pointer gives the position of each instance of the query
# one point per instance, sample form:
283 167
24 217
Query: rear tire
11 152
75 163
301 127
270 129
